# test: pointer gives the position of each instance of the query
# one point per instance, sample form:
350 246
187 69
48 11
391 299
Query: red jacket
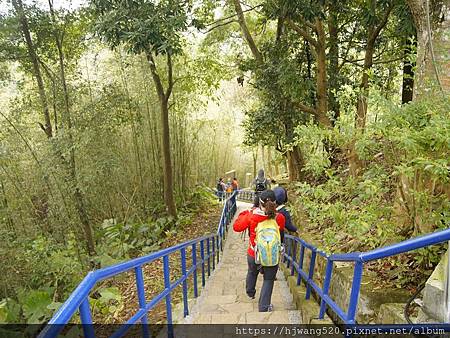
249 219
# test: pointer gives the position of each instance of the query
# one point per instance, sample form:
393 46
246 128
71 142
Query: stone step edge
309 309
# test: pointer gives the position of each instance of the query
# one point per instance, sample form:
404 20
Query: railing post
86 318
208 252
294 253
194 264
218 248
326 287
185 289
310 273
213 251
289 253
222 234
354 294
141 298
300 263
168 297
202 256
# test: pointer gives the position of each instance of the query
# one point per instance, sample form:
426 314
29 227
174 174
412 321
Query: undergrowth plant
402 191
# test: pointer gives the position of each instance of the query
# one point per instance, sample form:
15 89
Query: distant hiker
235 184
266 228
229 188
221 187
261 183
282 199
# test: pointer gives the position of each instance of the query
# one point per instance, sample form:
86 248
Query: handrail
79 299
358 258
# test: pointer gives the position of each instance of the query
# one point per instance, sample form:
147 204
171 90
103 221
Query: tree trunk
373 32
255 159
408 70
78 196
245 31
263 157
361 111
293 175
18 7
321 77
164 105
432 46
277 168
168 183
295 164
418 11
333 69
269 161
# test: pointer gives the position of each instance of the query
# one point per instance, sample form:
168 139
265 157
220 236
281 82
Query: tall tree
376 23
20 11
38 63
153 28
80 204
427 15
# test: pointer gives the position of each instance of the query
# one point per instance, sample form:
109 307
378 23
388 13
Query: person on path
282 199
235 184
261 182
221 187
248 220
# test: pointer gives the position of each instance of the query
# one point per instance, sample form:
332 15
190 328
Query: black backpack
219 187
261 186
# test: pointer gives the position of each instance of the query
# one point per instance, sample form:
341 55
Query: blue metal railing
79 299
246 195
358 258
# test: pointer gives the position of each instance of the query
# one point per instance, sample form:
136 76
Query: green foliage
35 305
108 302
120 240
143 26
408 144
9 311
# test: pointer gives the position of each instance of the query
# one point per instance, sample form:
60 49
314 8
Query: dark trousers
265 295
221 195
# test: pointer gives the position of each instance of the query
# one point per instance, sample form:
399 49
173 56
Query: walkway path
224 301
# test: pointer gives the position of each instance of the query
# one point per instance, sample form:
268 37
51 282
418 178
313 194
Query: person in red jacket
248 221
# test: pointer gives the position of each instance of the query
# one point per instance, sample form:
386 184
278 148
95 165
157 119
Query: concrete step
250 317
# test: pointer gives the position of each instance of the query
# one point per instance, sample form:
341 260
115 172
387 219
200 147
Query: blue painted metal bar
86 319
300 263
350 257
185 290
218 250
213 253
326 287
354 294
288 263
168 287
294 255
310 273
202 256
335 308
141 298
208 256
408 245
194 267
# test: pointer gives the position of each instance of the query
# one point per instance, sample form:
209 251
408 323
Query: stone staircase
224 301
